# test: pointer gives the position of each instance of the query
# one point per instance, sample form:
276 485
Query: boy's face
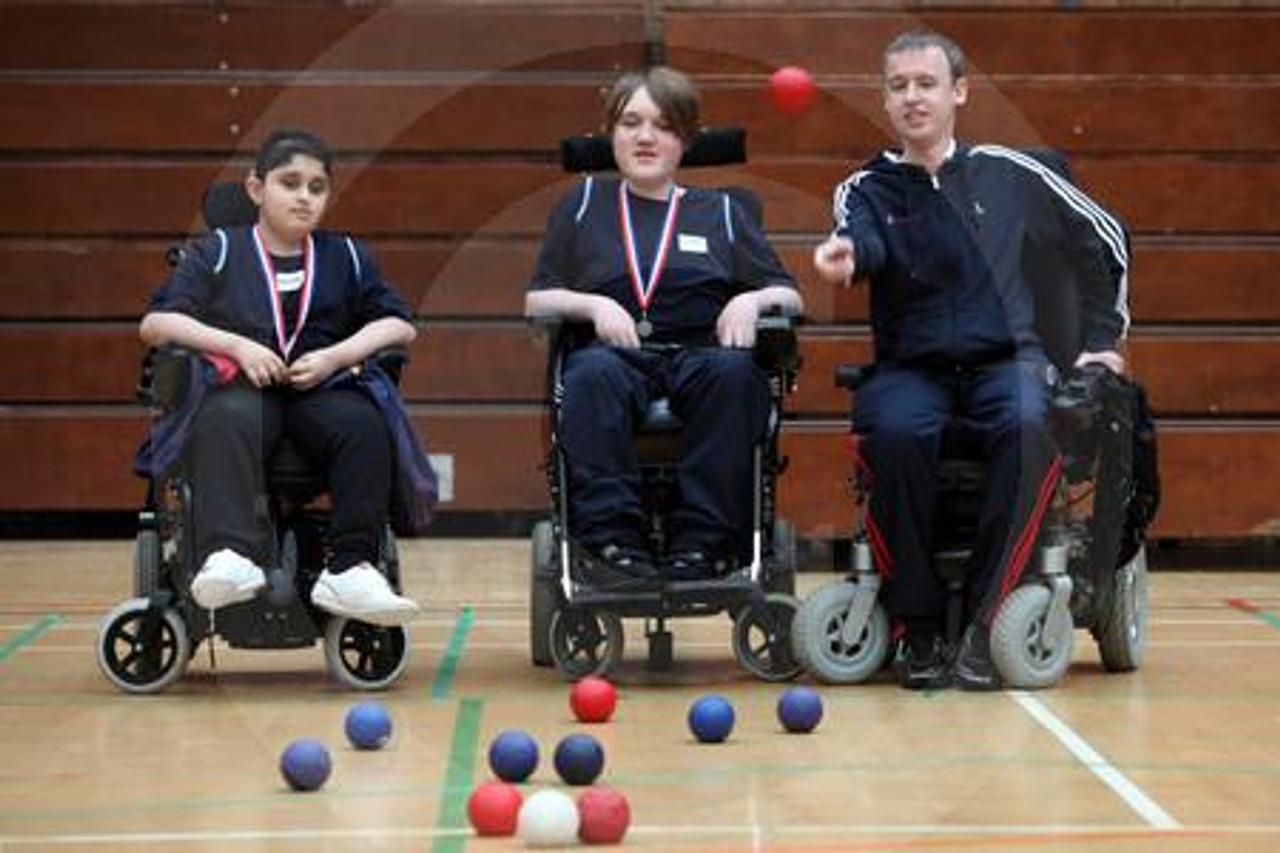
921 97
292 198
647 148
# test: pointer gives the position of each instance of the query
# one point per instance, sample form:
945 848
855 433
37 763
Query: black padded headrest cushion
719 146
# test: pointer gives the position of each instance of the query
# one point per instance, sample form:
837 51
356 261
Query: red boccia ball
792 90
592 700
603 816
493 808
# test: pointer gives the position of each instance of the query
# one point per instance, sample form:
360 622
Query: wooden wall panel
67 459
81 197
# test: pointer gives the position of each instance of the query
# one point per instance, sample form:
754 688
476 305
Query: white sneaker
362 592
226 578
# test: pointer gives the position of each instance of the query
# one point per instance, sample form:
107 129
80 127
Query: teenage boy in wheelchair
267 327
943 232
669 283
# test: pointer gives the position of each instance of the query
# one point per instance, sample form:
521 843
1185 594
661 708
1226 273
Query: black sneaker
974 669
925 663
619 568
692 566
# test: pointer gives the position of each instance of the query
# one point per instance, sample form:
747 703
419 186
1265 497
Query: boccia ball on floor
603 816
549 818
593 700
579 759
513 755
305 764
800 709
368 725
493 808
711 719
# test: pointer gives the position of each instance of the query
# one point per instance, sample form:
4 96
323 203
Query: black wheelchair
1091 570
145 643
578 628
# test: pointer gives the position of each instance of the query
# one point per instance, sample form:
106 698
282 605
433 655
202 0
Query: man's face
921 97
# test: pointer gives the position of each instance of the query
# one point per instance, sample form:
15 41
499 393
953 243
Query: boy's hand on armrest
736 325
613 324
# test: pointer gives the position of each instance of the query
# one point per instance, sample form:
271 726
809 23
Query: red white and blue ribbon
643 289
273 292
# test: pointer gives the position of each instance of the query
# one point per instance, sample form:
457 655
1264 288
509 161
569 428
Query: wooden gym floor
1182 755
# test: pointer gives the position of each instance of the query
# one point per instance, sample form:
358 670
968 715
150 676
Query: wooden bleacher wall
447 116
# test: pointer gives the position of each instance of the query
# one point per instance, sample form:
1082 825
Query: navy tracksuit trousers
340 431
722 398
900 415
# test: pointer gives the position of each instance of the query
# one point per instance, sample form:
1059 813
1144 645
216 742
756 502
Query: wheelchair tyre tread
117 644
1031 647
817 637
762 644
544 593
1122 625
363 656
146 563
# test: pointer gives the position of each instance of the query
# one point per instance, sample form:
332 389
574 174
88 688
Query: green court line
1253 610
458 779
28 636
449 663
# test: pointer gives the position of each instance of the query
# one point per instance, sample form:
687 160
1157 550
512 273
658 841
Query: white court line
1147 808
996 831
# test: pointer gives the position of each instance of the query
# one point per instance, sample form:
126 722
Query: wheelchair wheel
1121 631
146 563
584 642
364 656
762 638
141 658
781 576
1030 645
817 636
544 593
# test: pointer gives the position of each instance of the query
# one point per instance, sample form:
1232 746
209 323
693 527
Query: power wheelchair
1092 570
145 643
578 628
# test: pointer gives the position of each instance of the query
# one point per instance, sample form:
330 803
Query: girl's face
647 149
291 199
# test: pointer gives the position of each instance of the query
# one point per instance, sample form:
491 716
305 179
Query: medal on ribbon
273 293
645 289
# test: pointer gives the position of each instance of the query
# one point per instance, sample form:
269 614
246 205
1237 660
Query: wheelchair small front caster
364 656
762 637
1031 641
585 642
832 649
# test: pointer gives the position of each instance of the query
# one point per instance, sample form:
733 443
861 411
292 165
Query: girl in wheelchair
281 308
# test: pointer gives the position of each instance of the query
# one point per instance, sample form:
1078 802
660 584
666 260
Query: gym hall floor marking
452 825
28 636
1147 808
1246 606
453 653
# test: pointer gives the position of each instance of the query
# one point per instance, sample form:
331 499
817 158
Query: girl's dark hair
281 147
672 92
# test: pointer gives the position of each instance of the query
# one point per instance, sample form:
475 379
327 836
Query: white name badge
693 243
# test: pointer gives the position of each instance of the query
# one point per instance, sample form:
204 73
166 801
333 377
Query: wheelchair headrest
227 205
720 146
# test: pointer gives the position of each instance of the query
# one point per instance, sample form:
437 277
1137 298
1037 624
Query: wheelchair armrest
777 347
165 377
391 360
853 376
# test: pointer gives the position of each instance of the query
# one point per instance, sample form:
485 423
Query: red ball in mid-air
592 700
792 90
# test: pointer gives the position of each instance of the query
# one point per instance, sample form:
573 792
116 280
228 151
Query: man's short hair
921 39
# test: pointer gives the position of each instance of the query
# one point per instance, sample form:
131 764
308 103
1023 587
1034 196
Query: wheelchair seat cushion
658 417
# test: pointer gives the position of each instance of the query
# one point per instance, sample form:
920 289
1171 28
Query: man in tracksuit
943 231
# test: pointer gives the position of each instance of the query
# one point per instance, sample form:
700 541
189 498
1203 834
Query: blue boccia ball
800 709
513 755
305 764
368 725
579 759
711 719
